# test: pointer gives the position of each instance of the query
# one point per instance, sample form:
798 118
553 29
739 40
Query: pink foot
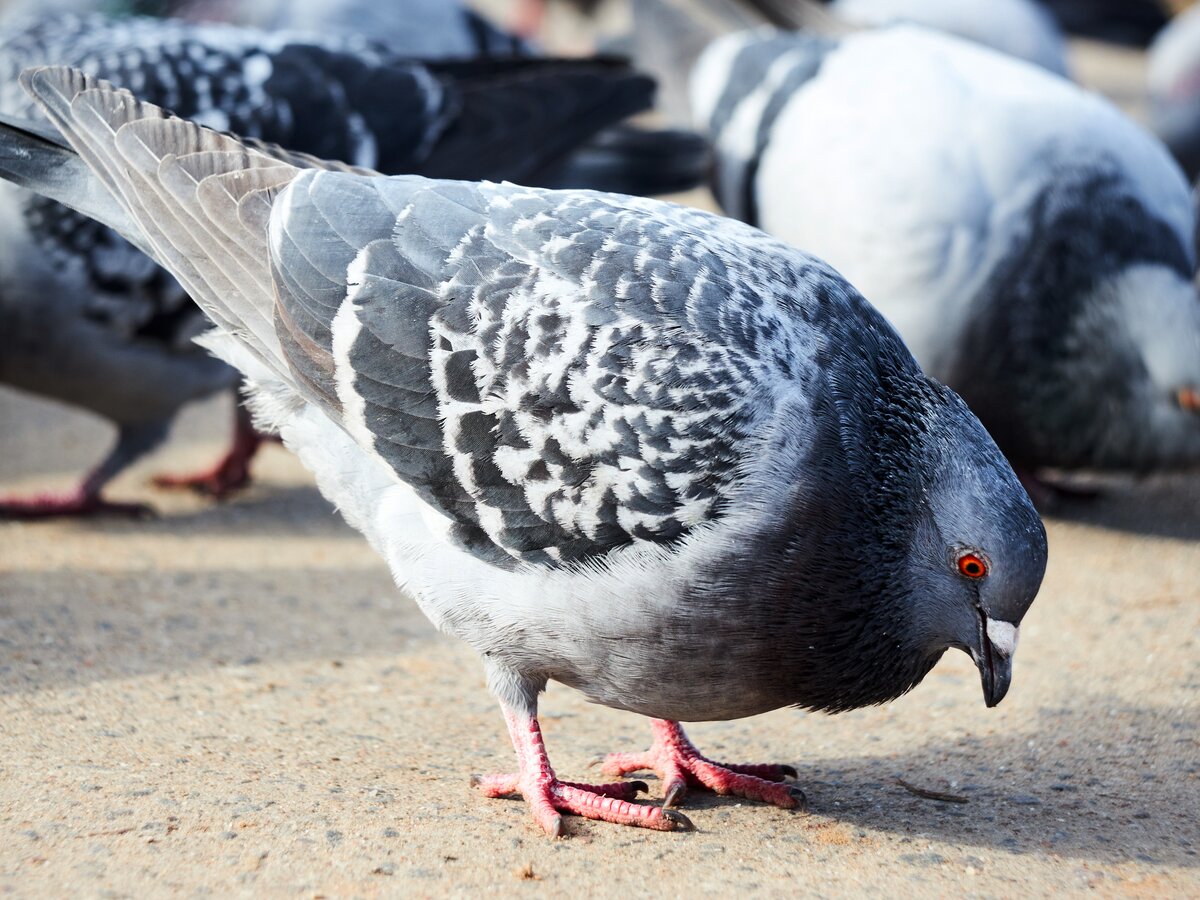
231 474
77 503
679 764
547 796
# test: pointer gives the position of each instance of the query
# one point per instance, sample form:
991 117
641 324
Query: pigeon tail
176 190
33 156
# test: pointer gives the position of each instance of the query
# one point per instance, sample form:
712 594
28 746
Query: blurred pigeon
1031 244
1173 80
86 319
670 35
428 29
1020 28
639 449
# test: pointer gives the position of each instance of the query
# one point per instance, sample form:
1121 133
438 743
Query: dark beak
995 671
995 667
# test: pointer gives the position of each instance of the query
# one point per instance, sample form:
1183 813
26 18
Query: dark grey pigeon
1032 245
86 319
635 448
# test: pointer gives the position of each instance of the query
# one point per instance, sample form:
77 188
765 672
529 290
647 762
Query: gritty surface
233 700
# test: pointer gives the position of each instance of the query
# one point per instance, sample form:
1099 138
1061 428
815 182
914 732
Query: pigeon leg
232 472
548 797
85 500
680 765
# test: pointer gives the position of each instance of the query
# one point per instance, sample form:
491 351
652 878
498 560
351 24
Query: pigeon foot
77 503
680 765
229 475
548 797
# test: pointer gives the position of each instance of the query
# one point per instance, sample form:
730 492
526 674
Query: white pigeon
1032 245
639 449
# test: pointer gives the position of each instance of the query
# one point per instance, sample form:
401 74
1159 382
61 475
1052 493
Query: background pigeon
1020 28
632 447
670 35
1032 245
87 320
1173 80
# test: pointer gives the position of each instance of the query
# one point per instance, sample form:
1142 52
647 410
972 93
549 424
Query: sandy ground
233 700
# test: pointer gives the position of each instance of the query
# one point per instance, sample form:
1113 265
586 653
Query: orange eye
972 566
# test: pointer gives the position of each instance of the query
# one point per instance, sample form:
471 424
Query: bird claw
73 504
680 765
603 802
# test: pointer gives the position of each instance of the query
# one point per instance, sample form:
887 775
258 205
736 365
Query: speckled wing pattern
560 373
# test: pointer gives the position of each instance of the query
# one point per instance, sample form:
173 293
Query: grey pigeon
1031 244
428 29
424 29
86 319
635 448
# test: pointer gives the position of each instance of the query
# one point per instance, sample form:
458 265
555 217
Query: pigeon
1020 28
425 29
88 320
635 448
671 35
1173 84
1031 244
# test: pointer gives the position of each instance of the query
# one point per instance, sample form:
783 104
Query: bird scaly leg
133 441
680 765
548 797
233 471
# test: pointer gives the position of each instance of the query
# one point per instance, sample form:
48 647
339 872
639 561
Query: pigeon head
1149 319
1083 351
979 549
910 535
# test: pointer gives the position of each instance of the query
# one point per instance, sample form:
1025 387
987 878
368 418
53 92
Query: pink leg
547 796
233 471
680 765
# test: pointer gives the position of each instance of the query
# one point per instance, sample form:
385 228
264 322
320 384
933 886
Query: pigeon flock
608 440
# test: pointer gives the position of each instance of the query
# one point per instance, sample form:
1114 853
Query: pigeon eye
972 566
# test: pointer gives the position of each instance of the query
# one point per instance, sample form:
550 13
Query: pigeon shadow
1163 506
1109 787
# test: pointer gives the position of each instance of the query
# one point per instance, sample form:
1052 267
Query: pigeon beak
997 642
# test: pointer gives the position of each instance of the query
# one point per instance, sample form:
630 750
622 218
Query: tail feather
31 159
155 165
